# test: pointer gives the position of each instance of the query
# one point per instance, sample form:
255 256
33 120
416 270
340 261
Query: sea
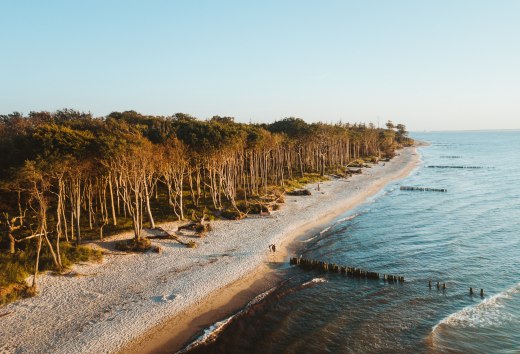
468 236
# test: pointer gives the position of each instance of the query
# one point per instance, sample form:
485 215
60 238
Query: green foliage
308 178
14 269
74 254
295 128
220 167
13 292
11 270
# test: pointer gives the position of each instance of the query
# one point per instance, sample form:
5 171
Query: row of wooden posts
357 272
351 271
423 189
450 166
444 287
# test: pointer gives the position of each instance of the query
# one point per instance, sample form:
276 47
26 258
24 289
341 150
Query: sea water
466 237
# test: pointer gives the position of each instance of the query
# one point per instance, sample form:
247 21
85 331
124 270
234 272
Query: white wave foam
325 230
259 298
347 218
489 312
315 281
211 333
309 239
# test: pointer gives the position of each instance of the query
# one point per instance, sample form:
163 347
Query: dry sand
155 302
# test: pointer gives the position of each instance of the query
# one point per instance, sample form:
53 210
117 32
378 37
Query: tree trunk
148 209
114 218
37 263
12 243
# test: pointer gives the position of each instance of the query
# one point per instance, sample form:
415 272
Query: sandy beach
156 302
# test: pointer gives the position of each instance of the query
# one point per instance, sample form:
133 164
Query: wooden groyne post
451 166
422 189
312 264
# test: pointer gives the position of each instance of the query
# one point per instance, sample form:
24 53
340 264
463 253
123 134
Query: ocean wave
315 281
309 239
350 217
211 333
325 230
490 312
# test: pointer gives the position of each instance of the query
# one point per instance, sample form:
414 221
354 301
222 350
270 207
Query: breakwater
451 166
350 271
422 189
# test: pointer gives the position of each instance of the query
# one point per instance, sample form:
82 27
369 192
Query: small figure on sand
272 248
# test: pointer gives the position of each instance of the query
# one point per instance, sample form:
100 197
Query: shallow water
467 237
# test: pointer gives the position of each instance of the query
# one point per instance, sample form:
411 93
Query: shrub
140 245
74 254
231 215
15 291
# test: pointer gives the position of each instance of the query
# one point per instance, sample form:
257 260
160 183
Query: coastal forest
68 177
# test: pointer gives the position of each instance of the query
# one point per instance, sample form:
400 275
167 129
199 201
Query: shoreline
134 303
159 339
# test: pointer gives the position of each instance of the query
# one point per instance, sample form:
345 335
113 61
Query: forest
67 177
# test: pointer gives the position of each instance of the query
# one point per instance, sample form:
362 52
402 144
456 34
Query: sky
429 64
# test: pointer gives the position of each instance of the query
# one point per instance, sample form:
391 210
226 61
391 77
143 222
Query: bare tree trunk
148 209
114 218
37 263
12 243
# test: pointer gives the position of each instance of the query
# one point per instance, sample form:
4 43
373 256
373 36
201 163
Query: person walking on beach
274 248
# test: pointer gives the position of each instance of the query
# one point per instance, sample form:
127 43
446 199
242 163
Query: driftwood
110 253
354 172
200 227
300 192
5 314
169 236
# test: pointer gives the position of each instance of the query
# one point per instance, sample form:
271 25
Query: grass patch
13 292
15 268
191 244
297 183
72 254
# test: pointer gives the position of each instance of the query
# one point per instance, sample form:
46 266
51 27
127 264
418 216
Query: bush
140 245
356 163
15 291
74 254
11 271
231 215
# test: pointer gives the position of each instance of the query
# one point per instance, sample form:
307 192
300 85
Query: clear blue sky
428 64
